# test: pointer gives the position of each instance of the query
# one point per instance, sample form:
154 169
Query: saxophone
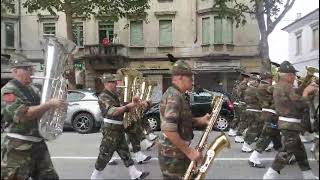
199 172
57 51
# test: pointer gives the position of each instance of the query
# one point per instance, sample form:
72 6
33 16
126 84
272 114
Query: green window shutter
217 30
206 30
228 33
77 29
165 32
9 34
136 33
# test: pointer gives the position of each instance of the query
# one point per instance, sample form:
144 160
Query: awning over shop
155 71
217 66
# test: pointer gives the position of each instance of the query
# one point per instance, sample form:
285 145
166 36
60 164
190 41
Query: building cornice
10 17
47 17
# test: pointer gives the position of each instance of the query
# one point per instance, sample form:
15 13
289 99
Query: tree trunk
264 53
71 74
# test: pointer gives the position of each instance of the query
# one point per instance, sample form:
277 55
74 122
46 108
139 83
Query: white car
84 113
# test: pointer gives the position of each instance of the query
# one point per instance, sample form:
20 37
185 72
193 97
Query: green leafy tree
6 6
268 14
113 9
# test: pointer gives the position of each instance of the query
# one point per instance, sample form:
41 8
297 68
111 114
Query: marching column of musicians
273 116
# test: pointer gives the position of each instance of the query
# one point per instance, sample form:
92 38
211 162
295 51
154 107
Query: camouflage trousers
236 120
292 145
173 163
135 135
255 126
243 123
23 159
270 132
113 140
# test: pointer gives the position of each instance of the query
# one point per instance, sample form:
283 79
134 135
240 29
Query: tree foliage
7 6
268 13
114 9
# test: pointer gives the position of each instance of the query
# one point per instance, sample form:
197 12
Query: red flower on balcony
106 41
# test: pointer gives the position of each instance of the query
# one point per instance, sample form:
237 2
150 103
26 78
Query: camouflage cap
287 67
19 60
108 77
266 75
180 67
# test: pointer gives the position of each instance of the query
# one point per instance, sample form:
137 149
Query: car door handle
75 104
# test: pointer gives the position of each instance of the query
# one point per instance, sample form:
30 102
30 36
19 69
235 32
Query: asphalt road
74 156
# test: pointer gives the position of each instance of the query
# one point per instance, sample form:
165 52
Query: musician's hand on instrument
195 155
204 120
57 103
310 89
131 105
135 99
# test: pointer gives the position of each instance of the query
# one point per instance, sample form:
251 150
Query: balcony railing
109 50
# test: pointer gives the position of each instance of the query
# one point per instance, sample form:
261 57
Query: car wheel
83 123
222 124
154 122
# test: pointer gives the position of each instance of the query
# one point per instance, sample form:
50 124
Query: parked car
83 114
200 105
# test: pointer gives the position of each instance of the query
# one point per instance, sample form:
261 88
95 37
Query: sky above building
278 39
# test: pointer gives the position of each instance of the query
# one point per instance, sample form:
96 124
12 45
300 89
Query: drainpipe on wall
196 23
20 44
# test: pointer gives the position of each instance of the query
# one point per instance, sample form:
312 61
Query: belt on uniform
110 121
269 110
239 103
186 142
22 137
294 120
253 110
316 136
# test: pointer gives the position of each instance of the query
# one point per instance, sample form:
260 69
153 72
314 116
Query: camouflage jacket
251 98
175 113
289 104
242 86
108 102
264 94
16 99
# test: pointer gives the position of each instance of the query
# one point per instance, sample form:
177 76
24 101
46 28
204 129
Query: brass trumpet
312 76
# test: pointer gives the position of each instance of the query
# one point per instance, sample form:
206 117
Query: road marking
156 159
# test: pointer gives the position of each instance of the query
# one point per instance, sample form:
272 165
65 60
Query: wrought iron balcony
102 50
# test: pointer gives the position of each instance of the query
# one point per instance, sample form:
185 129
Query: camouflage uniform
24 153
316 130
243 124
255 124
135 135
22 158
289 105
175 115
268 115
113 133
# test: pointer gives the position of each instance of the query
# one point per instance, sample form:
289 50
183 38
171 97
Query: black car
200 105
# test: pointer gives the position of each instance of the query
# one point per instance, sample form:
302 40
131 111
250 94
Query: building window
136 33
217 30
77 29
106 30
9 34
49 28
165 32
206 30
298 44
315 38
228 33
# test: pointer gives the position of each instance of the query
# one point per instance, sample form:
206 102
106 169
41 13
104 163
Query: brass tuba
312 76
131 79
57 51
199 172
